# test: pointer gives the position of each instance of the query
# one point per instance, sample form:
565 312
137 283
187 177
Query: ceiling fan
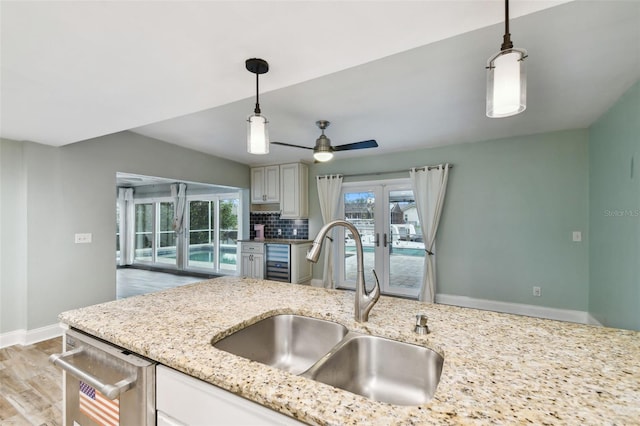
323 151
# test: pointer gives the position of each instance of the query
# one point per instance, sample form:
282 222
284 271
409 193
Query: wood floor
30 387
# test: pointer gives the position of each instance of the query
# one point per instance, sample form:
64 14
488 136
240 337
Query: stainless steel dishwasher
105 384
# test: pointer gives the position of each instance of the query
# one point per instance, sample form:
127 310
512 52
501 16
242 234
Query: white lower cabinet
300 267
183 400
252 260
252 265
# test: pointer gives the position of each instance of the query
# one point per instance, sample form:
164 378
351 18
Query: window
209 241
385 215
227 255
202 228
166 236
213 232
144 232
118 253
155 239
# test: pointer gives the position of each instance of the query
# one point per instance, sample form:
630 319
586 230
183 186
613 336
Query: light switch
577 236
83 238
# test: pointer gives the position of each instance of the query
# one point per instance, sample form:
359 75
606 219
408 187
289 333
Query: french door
386 218
155 239
212 228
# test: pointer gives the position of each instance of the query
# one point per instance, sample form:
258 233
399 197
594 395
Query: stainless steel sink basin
377 368
381 369
290 342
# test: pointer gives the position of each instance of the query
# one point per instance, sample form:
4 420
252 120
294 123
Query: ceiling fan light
506 83
257 135
322 156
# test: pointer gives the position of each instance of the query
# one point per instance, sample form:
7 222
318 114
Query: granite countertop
276 241
498 368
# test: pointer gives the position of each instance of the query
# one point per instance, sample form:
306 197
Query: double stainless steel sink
375 367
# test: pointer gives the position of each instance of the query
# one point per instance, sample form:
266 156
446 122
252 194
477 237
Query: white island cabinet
183 400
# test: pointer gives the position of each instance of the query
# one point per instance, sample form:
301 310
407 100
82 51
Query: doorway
386 217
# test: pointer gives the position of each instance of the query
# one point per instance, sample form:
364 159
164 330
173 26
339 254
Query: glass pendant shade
257 135
506 83
322 156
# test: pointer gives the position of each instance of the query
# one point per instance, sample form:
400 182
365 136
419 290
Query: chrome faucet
364 300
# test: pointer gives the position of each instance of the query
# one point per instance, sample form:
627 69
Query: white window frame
155 201
216 254
381 190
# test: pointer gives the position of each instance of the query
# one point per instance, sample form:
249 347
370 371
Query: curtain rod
383 173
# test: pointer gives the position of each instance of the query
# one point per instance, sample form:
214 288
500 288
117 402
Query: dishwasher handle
108 390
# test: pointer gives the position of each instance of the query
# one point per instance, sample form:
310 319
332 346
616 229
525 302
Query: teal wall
511 207
614 220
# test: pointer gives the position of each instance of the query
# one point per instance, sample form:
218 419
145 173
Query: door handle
385 239
111 391
377 239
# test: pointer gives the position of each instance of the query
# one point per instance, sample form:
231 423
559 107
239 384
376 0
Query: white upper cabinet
286 184
294 198
265 185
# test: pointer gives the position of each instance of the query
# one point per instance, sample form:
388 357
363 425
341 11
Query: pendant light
257 132
506 78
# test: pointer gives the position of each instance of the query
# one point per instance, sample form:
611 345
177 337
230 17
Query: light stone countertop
498 368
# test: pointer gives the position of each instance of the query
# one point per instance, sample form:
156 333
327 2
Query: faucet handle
421 324
375 291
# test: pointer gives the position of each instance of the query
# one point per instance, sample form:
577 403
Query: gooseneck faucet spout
364 300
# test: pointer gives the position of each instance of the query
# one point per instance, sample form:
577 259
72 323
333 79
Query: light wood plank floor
30 387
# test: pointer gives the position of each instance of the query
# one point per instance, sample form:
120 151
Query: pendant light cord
506 43
257 109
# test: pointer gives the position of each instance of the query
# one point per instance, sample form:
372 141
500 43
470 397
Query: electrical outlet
279 231
295 232
577 236
537 291
82 238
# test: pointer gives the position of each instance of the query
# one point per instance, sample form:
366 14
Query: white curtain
127 225
429 189
179 194
329 188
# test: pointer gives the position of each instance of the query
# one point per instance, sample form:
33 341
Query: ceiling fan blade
291 145
357 145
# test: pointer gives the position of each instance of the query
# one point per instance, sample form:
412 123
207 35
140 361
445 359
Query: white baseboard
592 320
581 317
28 337
317 282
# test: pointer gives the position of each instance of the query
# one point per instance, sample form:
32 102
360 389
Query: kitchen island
498 368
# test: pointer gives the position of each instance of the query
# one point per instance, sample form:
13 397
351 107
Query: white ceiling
407 73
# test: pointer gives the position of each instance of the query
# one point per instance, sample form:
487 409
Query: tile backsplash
272 223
